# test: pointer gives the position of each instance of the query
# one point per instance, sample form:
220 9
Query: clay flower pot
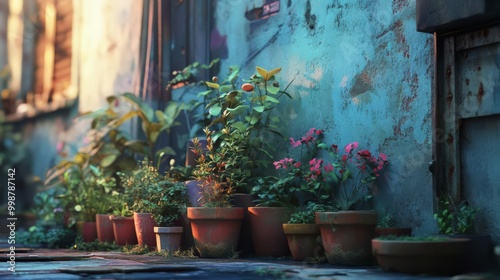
304 240
104 228
168 238
268 236
87 230
245 246
144 229
347 236
123 230
216 230
443 256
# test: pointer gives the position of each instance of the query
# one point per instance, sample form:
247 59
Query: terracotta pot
168 238
444 257
104 228
245 246
144 229
268 236
304 241
123 230
381 231
87 230
347 236
215 230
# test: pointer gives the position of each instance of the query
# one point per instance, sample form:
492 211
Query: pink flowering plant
341 178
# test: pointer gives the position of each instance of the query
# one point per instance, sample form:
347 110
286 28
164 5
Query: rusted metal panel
477 38
480 151
478 81
451 124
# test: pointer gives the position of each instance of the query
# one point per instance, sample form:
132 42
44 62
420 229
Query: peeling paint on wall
361 72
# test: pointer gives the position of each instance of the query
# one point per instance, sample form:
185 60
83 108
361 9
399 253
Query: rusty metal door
467 122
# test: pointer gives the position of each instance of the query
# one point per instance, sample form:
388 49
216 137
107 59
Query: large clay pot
304 241
245 246
437 257
144 229
347 236
168 238
216 230
268 236
123 230
104 228
87 230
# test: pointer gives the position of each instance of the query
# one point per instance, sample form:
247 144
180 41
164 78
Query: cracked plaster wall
361 72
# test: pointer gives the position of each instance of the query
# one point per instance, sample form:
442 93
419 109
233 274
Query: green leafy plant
46 236
456 218
153 193
307 214
270 193
241 121
386 221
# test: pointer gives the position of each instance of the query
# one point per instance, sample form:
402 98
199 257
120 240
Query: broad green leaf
238 110
144 107
253 120
172 110
108 160
239 126
215 111
204 93
212 85
272 89
225 88
272 99
259 109
160 116
234 73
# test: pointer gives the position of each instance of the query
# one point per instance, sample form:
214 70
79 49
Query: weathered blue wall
362 72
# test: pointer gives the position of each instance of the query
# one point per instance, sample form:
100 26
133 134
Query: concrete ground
73 264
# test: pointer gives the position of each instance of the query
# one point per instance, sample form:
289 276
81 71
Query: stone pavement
72 264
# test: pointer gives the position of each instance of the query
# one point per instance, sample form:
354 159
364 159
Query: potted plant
308 191
458 220
303 235
168 202
123 225
387 226
144 178
216 225
420 255
346 232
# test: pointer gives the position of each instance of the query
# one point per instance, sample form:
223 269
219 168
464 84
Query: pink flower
319 131
297 164
328 167
383 157
351 146
344 157
311 132
364 153
307 139
294 143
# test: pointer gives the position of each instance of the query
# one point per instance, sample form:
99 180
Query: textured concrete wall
108 49
362 72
